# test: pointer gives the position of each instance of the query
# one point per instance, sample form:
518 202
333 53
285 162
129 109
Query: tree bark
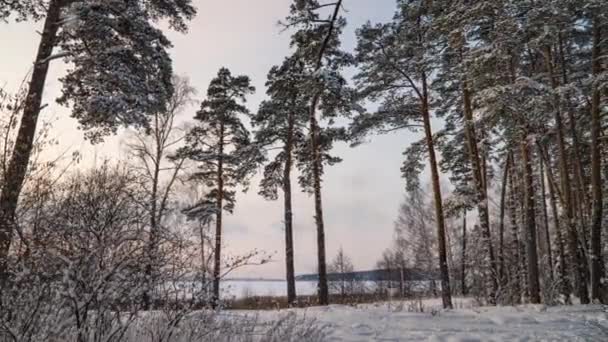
501 226
323 291
463 274
531 252
543 197
515 277
579 172
289 262
443 264
596 175
578 264
20 158
218 220
482 196
563 261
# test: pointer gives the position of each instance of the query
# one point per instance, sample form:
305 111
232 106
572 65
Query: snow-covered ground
402 321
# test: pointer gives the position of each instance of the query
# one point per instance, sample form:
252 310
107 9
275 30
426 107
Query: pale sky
361 195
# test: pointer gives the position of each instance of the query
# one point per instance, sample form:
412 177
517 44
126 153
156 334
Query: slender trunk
17 168
516 273
289 262
523 233
531 252
563 262
579 172
201 231
482 198
501 226
218 220
443 264
463 274
154 234
578 264
323 291
543 197
596 175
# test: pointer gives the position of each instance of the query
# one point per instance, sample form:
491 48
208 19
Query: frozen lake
238 288
274 288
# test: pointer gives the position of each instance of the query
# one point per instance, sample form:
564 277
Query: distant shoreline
255 279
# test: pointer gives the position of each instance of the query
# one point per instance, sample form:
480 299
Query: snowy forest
503 185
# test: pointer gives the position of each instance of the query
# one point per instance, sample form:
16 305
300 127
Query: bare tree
339 268
150 149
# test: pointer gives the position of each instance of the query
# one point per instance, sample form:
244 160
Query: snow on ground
402 321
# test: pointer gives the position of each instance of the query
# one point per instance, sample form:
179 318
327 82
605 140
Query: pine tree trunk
204 288
578 263
17 167
531 252
596 176
515 278
463 274
289 262
218 221
543 197
501 226
482 196
579 172
563 261
323 291
521 200
443 264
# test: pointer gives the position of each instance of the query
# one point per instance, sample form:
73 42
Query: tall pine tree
220 146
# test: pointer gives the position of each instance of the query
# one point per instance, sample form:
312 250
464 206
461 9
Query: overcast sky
360 195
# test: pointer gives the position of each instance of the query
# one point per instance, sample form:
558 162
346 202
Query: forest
504 183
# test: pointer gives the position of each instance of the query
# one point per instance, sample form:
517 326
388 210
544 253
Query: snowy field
396 322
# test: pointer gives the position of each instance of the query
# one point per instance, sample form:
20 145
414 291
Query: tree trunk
501 226
463 274
204 288
596 176
516 276
154 234
482 196
323 291
578 264
531 252
565 284
289 262
578 171
543 197
443 264
218 221
20 158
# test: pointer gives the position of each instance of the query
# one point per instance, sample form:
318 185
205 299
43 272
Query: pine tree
120 73
395 68
281 122
317 44
220 146
600 26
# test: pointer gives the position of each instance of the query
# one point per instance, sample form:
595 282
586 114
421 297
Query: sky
361 195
